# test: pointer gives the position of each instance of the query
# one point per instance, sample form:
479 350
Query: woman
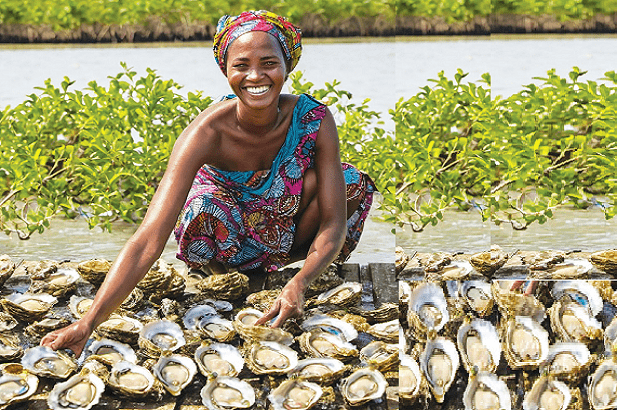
254 182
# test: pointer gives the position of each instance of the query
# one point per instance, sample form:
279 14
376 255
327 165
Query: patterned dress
244 220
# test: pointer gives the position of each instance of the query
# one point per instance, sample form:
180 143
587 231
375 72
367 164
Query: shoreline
313 26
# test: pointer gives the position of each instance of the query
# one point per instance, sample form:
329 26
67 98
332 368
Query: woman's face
256 69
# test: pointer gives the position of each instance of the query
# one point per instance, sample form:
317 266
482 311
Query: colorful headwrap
230 28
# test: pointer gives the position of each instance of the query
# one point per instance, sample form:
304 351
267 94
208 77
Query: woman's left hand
290 303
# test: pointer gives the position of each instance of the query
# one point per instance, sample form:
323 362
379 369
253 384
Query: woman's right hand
72 337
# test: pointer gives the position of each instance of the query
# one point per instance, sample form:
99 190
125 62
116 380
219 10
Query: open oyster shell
346 294
175 372
513 303
57 284
525 343
161 336
567 360
548 394
227 393
219 359
322 370
110 352
336 326
37 330
244 324
386 331
602 390
439 362
28 307
411 381
7 267
121 328
217 328
479 345
82 391
194 315
321 343
295 394
428 310
581 292
130 380
16 384
271 358
478 296
10 348
363 385
79 305
380 355
573 323
43 361
486 391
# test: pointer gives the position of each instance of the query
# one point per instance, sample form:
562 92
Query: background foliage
100 152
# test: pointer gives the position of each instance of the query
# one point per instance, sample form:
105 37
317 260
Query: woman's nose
254 72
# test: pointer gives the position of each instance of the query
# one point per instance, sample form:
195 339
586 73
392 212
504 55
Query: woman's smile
258 90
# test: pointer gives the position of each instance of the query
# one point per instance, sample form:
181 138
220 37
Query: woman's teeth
258 90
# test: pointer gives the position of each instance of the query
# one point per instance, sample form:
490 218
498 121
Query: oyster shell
486 391
339 327
57 284
384 313
161 336
10 348
219 359
195 314
43 361
439 362
227 393
401 259
478 296
28 307
7 322
346 294
602 390
7 267
271 358
581 292
487 263
410 378
79 305
455 270
479 345
525 343
263 299
513 303
121 328
386 331
323 370
605 260
295 394
226 286
39 329
363 385
428 310
572 322
16 384
175 372
217 328
94 271
244 324
321 343
567 361
380 355
82 391
130 379
547 394
110 352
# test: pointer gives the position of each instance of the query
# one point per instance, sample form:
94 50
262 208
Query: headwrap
230 28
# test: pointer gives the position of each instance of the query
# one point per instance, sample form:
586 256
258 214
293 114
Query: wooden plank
384 283
368 298
351 272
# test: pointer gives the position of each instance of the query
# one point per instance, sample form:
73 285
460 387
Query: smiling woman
253 183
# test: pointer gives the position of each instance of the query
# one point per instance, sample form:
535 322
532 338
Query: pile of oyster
508 344
176 333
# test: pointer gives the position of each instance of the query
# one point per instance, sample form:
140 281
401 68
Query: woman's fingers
71 337
274 310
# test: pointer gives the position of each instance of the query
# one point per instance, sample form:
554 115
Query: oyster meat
321 343
428 310
219 359
486 391
82 391
271 358
227 393
244 325
479 345
567 360
478 296
16 384
110 352
323 370
175 372
43 361
28 307
410 378
547 394
363 385
161 336
295 394
439 362
525 343
130 379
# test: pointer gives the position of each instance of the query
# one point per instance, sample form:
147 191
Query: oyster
567 360
295 394
39 329
227 393
16 384
380 355
110 352
121 328
581 292
271 358
544 260
401 259
217 328
455 270
43 361
28 307
513 303
525 343
321 343
338 327
9 347
363 385
386 331
547 394
7 267
195 314
175 372
602 388
428 310
82 391
487 263
572 322
439 362
94 271
57 284
384 313
410 378
244 324
226 286
161 336
479 345
7 322
478 296
605 260
79 305
219 359
486 391
263 299
323 370
130 379
346 294
133 300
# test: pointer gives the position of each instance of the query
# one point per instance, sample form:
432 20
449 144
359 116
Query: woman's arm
330 237
146 244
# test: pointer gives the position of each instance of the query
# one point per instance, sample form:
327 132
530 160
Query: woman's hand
290 303
72 337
